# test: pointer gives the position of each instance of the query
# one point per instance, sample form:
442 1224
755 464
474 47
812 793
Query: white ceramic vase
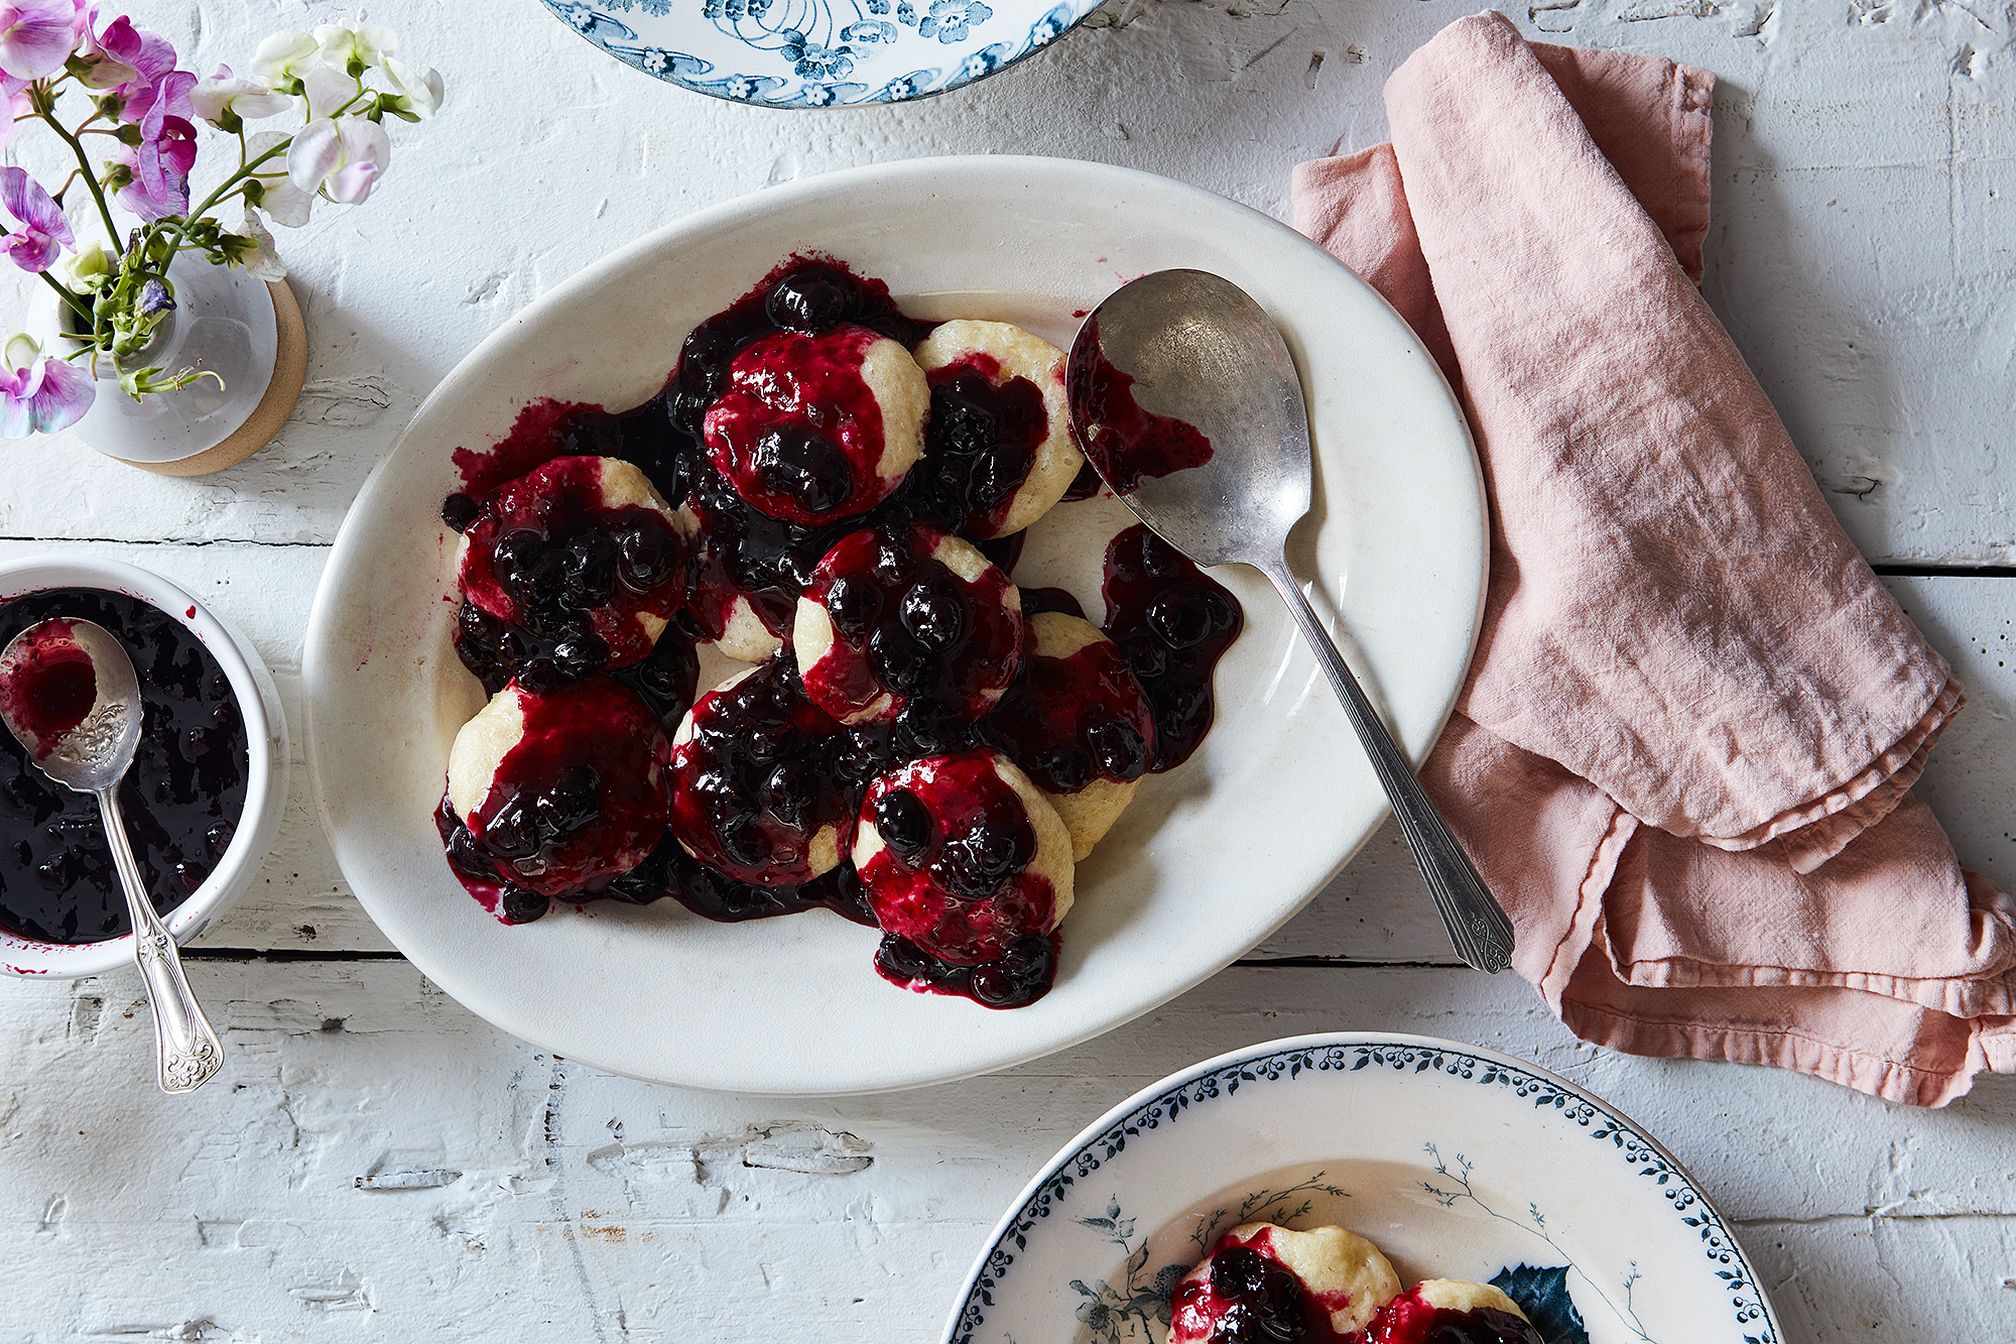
226 322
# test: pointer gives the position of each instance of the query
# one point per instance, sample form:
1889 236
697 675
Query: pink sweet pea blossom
36 37
40 232
158 170
39 395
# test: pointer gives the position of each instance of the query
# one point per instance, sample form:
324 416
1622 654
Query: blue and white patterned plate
1456 1160
820 53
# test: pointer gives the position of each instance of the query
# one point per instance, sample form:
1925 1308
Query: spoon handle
189 1051
1477 925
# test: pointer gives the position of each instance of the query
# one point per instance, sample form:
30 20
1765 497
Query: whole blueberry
804 466
458 511
812 298
896 661
852 604
645 553
934 616
522 907
1118 747
904 824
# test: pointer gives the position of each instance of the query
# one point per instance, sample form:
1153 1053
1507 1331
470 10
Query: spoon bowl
1186 401
1186 348
96 751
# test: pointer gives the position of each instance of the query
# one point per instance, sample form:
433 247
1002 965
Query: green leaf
1542 1293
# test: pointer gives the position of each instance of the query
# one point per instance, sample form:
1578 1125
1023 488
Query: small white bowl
265 776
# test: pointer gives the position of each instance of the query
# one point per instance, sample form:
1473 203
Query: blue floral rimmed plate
820 53
1458 1161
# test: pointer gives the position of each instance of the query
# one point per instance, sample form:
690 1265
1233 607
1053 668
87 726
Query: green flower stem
76 303
84 162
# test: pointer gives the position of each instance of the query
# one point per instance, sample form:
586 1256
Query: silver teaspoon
1179 366
83 734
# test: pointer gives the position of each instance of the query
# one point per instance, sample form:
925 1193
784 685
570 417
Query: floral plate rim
818 65
1349 1052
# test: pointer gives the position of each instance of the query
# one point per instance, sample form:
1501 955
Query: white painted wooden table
379 1165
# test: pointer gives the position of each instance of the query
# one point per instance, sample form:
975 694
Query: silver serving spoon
1197 355
92 755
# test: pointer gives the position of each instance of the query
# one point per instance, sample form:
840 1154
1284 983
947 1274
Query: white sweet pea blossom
420 91
282 58
252 249
355 50
283 202
339 160
326 90
227 101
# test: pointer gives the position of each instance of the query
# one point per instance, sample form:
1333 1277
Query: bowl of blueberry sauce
202 801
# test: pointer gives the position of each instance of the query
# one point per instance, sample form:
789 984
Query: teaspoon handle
1477 925
189 1051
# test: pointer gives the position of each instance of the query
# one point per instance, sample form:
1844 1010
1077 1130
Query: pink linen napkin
1683 754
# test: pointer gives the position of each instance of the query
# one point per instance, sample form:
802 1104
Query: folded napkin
1683 754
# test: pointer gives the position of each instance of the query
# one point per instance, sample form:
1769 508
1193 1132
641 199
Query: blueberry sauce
183 799
765 787
810 494
1123 441
577 801
1022 974
913 641
1173 624
1247 1296
1408 1319
952 880
49 686
982 438
799 430
1074 716
576 578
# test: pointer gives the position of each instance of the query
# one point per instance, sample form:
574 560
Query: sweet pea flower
87 268
13 104
340 159
38 394
251 249
40 232
282 58
227 101
36 37
134 65
152 178
355 50
419 91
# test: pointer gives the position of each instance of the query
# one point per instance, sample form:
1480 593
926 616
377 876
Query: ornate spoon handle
1478 927
190 1053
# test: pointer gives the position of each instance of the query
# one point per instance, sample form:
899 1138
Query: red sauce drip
906 626
1071 720
578 801
939 883
761 776
535 437
798 430
49 686
1407 1319
1173 623
183 798
1125 442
